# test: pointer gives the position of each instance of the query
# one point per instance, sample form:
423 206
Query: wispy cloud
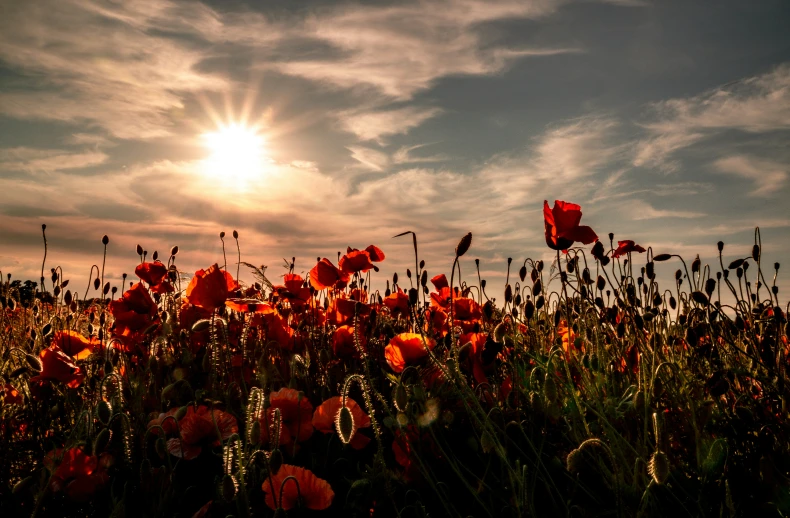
33 160
373 124
769 177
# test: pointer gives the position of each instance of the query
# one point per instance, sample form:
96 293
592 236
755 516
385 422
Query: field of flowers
578 388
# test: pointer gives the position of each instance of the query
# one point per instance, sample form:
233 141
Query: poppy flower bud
222 235
662 257
611 236
776 266
775 290
658 467
463 245
228 488
139 250
344 424
536 288
695 265
650 270
720 245
101 441
105 240
599 302
424 278
413 296
275 461
400 397
540 302
756 252
540 266
739 272
174 250
235 234
508 293
67 297
104 412
483 284
710 285
529 309
745 265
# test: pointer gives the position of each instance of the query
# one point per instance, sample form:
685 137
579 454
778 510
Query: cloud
33 160
402 49
641 210
769 177
759 104
99 63
375 124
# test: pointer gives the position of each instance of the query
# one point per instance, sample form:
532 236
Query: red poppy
313 492
198 429
624 247
151 273
343 341
325 414
74 344
59 366
440 282
355 261
278 330
249 306
210 288
293 290
375 253
134 311
406 348
326 275
562 225
296 416
397 302
567 334
162 420
162 288
478 342
79 475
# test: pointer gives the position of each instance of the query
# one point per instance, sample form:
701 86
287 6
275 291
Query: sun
238 155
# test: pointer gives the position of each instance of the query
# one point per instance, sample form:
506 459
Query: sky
667 121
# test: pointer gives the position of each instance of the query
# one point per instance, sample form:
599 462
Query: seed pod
235 234
414 296
658 468
344 424
695 265
463 245
522 273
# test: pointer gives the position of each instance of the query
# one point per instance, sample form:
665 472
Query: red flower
296 417
134 311
562 225
293 290
624 247
355 261
343 341
325 414
249 306
375 253
406 348
478 342
78 474
198 429
397 302
58 366
326 275
210 288
74 344
313 492
152 273
440 282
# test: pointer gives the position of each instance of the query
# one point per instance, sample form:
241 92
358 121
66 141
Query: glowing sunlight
238 155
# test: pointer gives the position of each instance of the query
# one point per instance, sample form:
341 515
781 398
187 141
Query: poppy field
581 386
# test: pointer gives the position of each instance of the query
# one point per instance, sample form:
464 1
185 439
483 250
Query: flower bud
463 245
